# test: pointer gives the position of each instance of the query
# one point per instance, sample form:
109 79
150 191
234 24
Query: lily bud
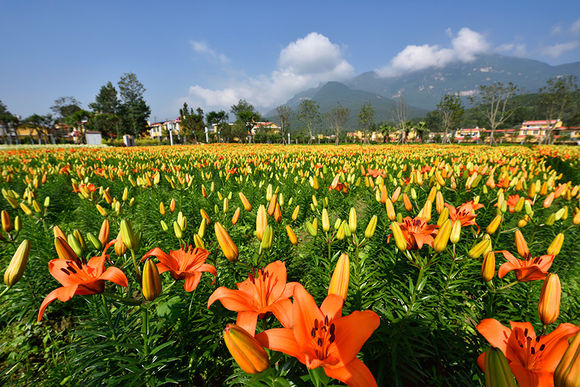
226 243
267 238
576 218
558 215
291 235
177 230
531 191
528 208
427 211
371 227
548 200
198 242
556 245
497 370
382 193
340 277
455 232
261 222
523 221
245 350
442 237
236 216
79 238
74 244
549 305
164 226
439 202
127 235
202 227
407 202
182 221
399 237
567 373
520 204
325 221
443 216
151 281
64 250
480 248
352 220
521 245
391 214
7 225
25 209
277 213
340 232
17 223
245 201
310 228
119 247
551 219
272 204
101 210
205 215
432 194
492 227
104 232
17 265
269 192
488 266
94 241
295 213
161 208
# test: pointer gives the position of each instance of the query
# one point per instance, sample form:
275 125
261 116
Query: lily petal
351 333
279 339
248 320
495 333
191 281
332 306
115 275
354 374
231 299
64 294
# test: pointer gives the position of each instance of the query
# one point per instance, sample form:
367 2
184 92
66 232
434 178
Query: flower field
290 266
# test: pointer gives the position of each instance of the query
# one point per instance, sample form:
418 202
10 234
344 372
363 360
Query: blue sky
210 54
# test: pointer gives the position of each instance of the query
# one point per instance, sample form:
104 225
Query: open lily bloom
321 337
80 278
465 213
526 270
264 291
184 264
532 359
417 232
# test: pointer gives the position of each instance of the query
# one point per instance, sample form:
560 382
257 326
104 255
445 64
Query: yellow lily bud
245 350
567 373
521 245
261 222
576 218
291 235
26 209
488 266
426 211
480 248
391 214
497 371
314 201
198 242
267 238
493 225
556 245
340 232
58 232
558 215
226 243
205 215
442 237
382 194
164 226
439 202
36 207
371 227
396 194
455 232
310 228
443 216
245 201
325 221
101 210
295 213
531 191
177 230
127 235
181 221
120 248
352 220
172 205
125 194
203 191
399 237
432 194
523 221
151 282
551 219
64 250
161 208
7 225
520 204
549 305
220 196
236 216
17 264
269 192
544 189
202 226
340 277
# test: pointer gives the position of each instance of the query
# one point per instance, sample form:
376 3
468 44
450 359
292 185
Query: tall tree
387 129
192 124
366 119
555 98
401 117
284 115
451 110
64 107
245 113
133 109
41 124
336 120
106 101
494 100
219 119
308 112
8 123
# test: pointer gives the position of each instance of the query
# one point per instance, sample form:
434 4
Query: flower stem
5 291
137 271
507 286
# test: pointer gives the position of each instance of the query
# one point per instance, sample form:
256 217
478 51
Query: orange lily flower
320 337
376 173
526 270
417 232
187 263
532 359
264 291
465 213
511 202
80 278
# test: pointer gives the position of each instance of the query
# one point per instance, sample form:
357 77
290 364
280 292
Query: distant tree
387 129
366 120
450 109
421 128
247 114
555 98
106 123
433 121
192 123
401 117
309 113
336 120
494 102
8 122
284 114
133 109
106 101
41 124
219 119
64 107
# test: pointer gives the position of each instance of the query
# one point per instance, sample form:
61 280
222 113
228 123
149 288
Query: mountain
329 95
425 88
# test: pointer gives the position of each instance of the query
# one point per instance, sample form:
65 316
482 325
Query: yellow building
537 129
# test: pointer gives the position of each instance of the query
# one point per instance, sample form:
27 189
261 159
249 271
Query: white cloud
304 63
558 49
516 49
202 48
557 29
575 27
465 46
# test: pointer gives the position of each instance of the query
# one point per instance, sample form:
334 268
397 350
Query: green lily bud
497 371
